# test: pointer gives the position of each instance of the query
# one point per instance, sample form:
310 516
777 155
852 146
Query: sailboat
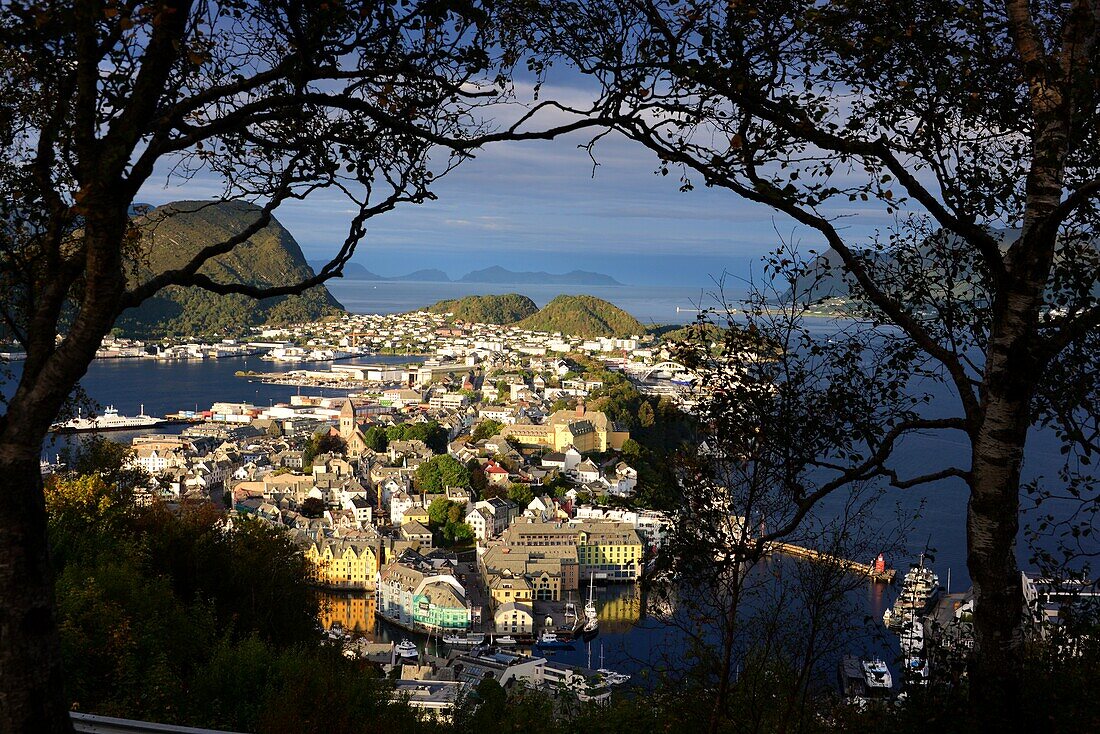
591 626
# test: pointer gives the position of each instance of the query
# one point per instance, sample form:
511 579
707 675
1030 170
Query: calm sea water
626 638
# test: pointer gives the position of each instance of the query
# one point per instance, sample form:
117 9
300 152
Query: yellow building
588 431
545 575
507 589
343 564
416 514
611 551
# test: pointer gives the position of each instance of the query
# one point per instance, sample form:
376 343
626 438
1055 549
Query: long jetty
885 576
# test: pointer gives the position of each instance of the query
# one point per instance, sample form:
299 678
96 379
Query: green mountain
505 309
170 237
583 316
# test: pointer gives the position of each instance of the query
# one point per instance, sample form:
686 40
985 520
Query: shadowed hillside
173 233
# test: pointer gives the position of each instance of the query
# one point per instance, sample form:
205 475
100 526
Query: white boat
876 675
549 639
612 677
47 467
590 605
506 640
912 637
920 588
109 421
406 649
471 640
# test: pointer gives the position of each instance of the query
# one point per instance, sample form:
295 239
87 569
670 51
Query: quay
879 575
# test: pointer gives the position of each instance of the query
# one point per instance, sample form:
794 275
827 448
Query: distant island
493 274
497 274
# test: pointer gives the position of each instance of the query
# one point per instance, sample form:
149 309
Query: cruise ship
109 421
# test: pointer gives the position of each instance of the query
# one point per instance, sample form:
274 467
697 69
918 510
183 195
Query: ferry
109 421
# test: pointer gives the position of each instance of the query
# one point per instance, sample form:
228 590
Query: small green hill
504 309
173 233
583 316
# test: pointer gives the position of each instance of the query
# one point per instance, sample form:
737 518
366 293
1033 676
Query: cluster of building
453 347
359 513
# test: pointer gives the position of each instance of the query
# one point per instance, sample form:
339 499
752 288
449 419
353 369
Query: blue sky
541 206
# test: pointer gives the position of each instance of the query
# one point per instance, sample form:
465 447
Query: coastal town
476 495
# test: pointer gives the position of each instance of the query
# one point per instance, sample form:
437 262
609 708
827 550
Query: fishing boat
406 649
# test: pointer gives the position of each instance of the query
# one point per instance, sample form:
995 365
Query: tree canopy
486 429
267 103
440 472
971 133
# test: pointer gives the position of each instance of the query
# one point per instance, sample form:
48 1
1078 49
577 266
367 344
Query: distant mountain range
494 274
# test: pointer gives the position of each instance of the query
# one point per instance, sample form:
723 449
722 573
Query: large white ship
109 421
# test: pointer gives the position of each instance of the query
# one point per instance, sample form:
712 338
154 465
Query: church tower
347 420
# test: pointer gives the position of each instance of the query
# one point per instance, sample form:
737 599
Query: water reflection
353 612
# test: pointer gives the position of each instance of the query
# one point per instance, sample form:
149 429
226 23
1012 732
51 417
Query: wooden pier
885 576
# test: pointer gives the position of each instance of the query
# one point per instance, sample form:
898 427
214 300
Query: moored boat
465 640
111 420
912 637
876 675
406 649
549 640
